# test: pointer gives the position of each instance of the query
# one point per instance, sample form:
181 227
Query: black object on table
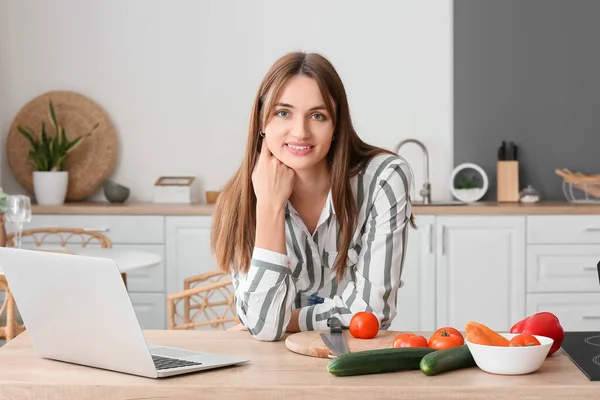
583 348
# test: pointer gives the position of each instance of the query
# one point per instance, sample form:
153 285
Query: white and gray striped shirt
277 283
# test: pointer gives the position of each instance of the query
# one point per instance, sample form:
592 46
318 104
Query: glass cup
18 212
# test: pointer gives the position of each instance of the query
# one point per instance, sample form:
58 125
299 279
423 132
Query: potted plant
469 189
48 154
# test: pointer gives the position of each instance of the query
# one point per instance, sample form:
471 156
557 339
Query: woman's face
299 130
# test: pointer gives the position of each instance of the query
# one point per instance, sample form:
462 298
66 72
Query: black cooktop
583 348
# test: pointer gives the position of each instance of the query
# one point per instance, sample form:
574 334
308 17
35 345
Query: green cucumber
378 361
451 359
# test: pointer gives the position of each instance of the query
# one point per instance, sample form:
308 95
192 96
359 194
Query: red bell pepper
543 324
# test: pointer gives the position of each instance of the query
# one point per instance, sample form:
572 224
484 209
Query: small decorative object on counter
212 197
174 189
468 189
115 192
529 195
48 153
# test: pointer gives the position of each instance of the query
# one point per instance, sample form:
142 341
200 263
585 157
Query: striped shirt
277 283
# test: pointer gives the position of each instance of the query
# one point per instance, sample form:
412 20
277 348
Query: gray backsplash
528 71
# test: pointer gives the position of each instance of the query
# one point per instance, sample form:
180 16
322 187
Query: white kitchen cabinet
562 278
480 270
491 269
575 311
188 249
146 286
121 229
563 229
150 309
416 298
562 268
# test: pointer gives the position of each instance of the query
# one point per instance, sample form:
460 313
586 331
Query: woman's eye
282 113
319 117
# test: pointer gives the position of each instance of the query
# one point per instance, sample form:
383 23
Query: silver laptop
76 309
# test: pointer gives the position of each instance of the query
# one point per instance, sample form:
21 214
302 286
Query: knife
502 151
335 340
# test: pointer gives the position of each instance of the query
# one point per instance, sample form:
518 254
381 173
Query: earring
261 134
333 138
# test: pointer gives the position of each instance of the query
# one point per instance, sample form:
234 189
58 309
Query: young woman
313 212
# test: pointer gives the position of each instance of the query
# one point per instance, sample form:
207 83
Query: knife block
508 181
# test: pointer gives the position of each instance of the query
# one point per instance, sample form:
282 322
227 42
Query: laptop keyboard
168 363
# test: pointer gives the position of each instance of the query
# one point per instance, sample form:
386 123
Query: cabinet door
480 270
416 297
188 249
150 309
576 311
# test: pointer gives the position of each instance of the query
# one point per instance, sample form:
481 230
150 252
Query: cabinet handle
97 229
592 229
430 238
590 317
589 268
443 239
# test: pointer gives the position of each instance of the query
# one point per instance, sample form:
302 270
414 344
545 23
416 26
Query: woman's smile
299 149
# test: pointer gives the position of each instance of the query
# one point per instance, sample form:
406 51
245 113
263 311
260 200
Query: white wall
178 77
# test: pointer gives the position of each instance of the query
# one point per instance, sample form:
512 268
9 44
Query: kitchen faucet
425 192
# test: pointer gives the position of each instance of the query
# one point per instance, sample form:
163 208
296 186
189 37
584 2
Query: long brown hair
234 222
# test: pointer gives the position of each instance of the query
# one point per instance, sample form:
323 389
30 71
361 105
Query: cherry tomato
364 325
409 340
445 338
523 340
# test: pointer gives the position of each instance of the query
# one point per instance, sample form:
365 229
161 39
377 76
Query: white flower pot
50 187
469 195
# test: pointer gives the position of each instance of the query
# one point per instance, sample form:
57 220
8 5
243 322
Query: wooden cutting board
310 343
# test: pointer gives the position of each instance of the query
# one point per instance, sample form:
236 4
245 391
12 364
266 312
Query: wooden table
273 372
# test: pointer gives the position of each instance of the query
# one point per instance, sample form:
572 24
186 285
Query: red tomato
409 340
523 340
542 324
445 338
364 325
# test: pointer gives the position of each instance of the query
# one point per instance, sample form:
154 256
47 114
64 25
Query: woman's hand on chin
273 181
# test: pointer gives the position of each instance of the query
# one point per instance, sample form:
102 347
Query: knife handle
334 324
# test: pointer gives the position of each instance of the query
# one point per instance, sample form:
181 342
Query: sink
439 203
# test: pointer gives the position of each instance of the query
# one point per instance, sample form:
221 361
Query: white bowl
510 360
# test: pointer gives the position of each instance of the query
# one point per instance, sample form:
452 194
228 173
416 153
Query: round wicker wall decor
89 164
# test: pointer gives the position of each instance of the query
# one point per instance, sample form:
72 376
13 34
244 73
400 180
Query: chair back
65 236
206 301
13 325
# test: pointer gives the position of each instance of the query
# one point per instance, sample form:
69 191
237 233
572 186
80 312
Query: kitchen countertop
479 208
273 372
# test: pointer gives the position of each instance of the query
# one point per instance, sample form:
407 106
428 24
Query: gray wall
528 71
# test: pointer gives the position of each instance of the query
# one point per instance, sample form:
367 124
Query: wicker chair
12 328
199 308
65 236
39 235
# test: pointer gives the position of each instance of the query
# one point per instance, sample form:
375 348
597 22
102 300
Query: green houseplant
3 202
48 153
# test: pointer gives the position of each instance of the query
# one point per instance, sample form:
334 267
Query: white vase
50 187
